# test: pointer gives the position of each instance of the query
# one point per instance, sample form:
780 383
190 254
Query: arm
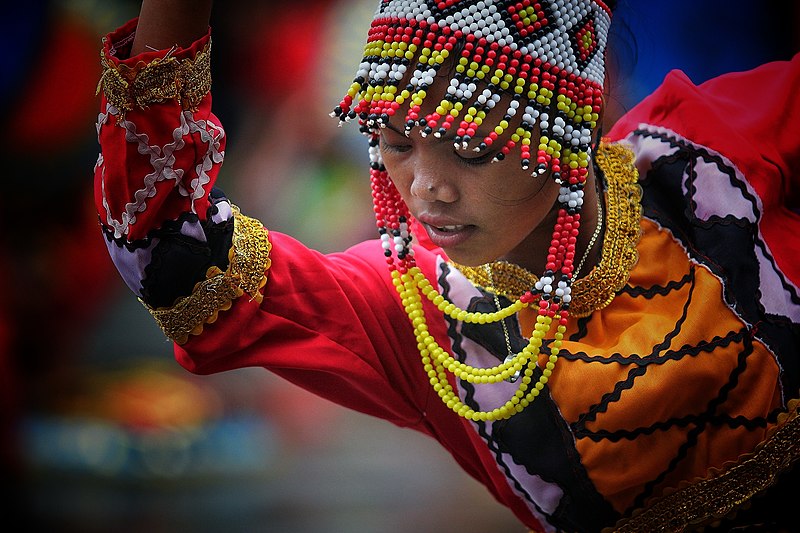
229 293
165 23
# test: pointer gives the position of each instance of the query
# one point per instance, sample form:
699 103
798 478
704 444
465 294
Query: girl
603 331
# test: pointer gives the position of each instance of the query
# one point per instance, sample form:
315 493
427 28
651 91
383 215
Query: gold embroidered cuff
185 80
720 496
249 263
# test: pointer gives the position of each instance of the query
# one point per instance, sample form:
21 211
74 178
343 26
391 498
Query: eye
486 157
392 141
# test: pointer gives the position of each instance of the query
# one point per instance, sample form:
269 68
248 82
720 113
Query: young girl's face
476 210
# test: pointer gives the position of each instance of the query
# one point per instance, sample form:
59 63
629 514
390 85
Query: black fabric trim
178 262
538 438
469 399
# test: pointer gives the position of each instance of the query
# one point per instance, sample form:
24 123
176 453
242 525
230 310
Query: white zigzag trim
163 161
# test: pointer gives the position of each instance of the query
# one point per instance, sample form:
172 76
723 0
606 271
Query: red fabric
333 325
752 119
126 169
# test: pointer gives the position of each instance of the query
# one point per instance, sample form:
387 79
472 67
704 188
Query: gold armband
185 80
248 265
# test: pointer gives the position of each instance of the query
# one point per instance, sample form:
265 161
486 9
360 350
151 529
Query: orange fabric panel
633 325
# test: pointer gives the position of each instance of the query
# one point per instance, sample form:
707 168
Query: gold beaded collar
618 256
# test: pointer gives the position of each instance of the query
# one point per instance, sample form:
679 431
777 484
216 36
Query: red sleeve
753 119
330 323
161 145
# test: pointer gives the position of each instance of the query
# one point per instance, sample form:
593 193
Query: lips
446 233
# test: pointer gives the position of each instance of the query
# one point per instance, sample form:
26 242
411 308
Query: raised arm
229 293
165 23
161 152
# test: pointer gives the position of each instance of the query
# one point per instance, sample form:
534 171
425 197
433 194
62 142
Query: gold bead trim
623 212
168 78
717 497
249 263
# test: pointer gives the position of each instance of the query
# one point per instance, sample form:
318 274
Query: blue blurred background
100 429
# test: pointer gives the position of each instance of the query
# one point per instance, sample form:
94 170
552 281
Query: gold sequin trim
249 263
711 499
168 78
623 213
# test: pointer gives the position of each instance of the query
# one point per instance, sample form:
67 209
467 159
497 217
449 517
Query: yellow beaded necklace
618 257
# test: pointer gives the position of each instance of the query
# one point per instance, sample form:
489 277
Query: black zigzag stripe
659 290
732 422
669 355
608 398
583 327
693 435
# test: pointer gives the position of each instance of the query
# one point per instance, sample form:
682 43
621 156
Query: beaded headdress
531 70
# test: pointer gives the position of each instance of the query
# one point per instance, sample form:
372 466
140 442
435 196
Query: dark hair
621 51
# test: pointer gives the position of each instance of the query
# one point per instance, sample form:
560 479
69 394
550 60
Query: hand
166 23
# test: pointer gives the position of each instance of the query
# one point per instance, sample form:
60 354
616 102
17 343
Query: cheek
401 182
396 175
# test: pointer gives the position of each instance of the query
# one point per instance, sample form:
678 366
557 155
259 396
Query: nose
430 185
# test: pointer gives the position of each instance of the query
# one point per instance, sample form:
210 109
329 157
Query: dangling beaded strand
549 59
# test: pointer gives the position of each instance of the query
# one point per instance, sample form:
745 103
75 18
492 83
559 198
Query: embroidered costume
674 399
